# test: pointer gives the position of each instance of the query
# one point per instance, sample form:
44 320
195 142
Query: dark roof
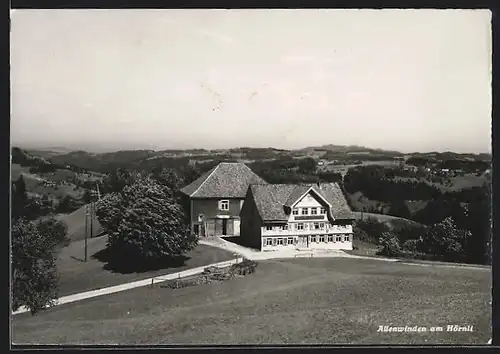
226 180
272 199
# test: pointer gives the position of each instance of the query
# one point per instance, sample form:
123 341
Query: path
136 284
253 254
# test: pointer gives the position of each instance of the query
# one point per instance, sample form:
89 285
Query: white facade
308 226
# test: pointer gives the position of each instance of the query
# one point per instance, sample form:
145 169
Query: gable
310 200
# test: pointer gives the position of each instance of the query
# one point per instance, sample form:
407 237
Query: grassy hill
76 225
393 222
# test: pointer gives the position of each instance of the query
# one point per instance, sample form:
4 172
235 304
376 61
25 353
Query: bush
389 245
412 246
244 268
34 272
144 223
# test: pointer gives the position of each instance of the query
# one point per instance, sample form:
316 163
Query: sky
407 80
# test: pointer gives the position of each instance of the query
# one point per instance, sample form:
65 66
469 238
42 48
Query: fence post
152 280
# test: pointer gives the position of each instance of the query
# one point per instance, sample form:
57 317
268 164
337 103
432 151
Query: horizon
405 80
68 149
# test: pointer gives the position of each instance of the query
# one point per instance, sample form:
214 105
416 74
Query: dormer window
224 205
295 211
314 211
323 211
305 211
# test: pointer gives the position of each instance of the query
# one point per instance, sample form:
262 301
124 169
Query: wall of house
251 226
336 242
212 221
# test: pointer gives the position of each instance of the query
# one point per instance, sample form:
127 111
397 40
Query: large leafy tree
445 239
144 222
34 272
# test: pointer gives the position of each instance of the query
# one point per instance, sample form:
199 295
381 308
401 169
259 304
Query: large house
275 216
216 198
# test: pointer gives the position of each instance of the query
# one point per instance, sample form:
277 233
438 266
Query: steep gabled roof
226 180
272 199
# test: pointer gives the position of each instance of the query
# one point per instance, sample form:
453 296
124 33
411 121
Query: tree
68 204
117 180
145 223
445 239
168 177
53 229
19 198
34 272
389 244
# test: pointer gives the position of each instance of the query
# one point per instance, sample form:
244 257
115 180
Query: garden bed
213 275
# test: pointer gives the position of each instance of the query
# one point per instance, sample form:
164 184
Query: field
299 301
451 184
16 170
77 275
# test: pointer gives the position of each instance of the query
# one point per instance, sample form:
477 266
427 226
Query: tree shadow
123 265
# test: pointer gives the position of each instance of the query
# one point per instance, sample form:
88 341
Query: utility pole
91 220
86 228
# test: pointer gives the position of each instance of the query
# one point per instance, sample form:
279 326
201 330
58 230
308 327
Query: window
314 211
322 238
321 225
224 205
269 242
290 241
200 217
322 211
316 225
330 238
295 211
300 226
280 241
313 238
284 227
346 238
305 211
274 242
269 228
338 238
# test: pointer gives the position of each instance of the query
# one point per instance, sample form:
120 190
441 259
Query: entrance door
224 227
303 242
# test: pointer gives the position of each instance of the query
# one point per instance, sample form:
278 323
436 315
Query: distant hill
108 161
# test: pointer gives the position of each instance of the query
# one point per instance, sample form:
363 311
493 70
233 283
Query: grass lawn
78 276
295 301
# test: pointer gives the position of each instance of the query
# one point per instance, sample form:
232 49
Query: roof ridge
206 179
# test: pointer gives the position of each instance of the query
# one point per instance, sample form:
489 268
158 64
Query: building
315 216
216 198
